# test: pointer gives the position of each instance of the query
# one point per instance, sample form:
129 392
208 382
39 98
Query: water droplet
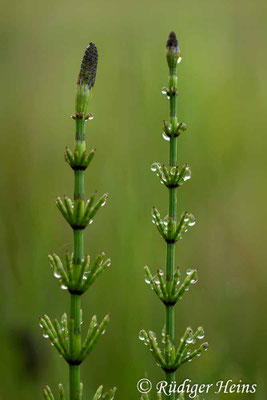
91 221
192 220
174 170
199 354
108 264
200 334
85 277
56 274
90 116
187 174
161 273
45 335
164 90
64 318
179 60
166 220
142 335
147 280
189 271
52 344
194 280
41 325
104 203
103 331
156 281
154 166
205 346
63 287
165 137
186 217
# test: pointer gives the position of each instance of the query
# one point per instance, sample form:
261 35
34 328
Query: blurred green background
222 83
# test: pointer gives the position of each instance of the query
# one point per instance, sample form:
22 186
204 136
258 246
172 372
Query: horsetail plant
167 286
79 273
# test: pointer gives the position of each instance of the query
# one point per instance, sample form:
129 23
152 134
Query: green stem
74 370
78 254
170 262
74 382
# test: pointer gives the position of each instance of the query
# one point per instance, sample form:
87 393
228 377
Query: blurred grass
223 101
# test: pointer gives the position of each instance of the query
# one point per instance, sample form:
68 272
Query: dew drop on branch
56 274
194 280
192 220
142 335
154 166
189 271
200 334
187 174
164 90
63 287
165 137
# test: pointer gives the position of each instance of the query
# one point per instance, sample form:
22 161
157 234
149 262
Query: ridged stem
78 254
170 262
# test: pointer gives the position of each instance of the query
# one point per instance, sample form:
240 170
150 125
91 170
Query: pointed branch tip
172 40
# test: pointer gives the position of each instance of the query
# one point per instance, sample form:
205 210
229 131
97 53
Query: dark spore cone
87 73
172 41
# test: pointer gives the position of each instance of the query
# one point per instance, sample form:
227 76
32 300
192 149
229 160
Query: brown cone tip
172 41
87 73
